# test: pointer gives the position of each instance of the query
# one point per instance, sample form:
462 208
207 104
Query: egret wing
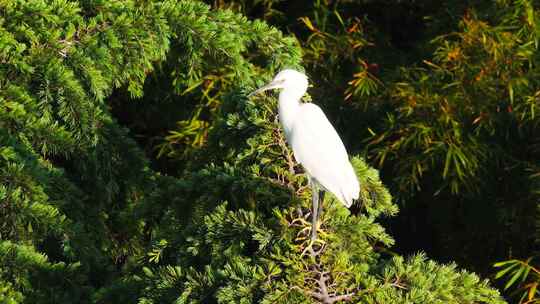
317 146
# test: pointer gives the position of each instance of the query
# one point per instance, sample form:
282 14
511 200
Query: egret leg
314 211
321 201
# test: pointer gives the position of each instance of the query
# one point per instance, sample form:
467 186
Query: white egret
315 143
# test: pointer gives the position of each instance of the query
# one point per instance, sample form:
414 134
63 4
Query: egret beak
272 85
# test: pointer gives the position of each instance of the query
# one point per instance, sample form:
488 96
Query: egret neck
289 104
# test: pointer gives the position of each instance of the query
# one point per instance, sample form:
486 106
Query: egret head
286 79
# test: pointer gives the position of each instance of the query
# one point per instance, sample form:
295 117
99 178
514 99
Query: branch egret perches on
315 143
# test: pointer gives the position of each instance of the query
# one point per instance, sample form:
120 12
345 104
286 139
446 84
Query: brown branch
321 294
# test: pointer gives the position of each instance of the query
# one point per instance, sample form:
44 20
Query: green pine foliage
87 213
28 277
64 184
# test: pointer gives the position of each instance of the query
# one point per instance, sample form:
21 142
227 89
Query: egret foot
299 222
314 248
305 232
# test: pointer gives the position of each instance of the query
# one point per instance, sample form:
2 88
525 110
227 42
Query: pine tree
69 172
86 217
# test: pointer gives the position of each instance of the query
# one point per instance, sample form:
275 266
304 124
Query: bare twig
322 295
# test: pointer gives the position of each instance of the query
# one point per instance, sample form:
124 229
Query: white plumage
314 141
318 148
